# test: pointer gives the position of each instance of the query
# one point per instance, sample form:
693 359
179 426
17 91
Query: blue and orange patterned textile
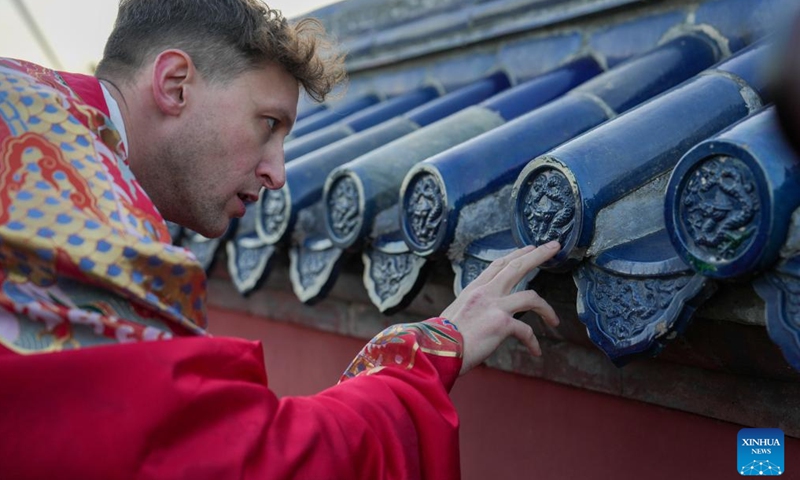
86 258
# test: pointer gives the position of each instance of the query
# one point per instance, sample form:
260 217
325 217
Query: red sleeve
200 408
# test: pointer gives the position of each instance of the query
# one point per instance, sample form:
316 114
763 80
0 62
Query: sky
76 45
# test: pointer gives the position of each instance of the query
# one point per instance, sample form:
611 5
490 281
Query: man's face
228 144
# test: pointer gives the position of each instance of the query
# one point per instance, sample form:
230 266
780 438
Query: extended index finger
512 273
498 265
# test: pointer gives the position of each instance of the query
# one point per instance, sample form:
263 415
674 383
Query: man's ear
173 70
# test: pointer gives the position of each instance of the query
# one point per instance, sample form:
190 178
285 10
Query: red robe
116 378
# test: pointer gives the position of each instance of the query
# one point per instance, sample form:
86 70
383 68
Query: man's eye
271 122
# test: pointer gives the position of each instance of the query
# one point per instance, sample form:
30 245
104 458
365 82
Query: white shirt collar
116 115
116 118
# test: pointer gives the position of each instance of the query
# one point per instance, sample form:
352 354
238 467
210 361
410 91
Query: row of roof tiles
660 175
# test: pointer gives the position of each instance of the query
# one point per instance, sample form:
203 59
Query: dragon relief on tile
343 207
549 207
425 209
720 209
389 271
248 258
626 306
311 264
273 214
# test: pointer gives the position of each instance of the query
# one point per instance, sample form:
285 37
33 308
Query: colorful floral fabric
398 346
85 258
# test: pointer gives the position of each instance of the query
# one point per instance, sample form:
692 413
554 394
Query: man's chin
215 232
208 231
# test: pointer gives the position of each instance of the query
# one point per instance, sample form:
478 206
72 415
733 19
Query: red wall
515 427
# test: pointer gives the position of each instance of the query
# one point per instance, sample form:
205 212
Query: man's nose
272 171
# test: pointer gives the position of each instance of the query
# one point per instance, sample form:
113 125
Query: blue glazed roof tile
617 43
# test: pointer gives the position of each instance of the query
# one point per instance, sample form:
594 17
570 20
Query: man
106 369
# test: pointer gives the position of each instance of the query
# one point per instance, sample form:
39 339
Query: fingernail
552 245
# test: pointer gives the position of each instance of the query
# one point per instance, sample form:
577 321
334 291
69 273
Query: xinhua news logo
760 451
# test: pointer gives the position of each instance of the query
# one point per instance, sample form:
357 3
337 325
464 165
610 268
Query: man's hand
484 311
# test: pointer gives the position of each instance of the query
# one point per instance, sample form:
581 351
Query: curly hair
224 38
